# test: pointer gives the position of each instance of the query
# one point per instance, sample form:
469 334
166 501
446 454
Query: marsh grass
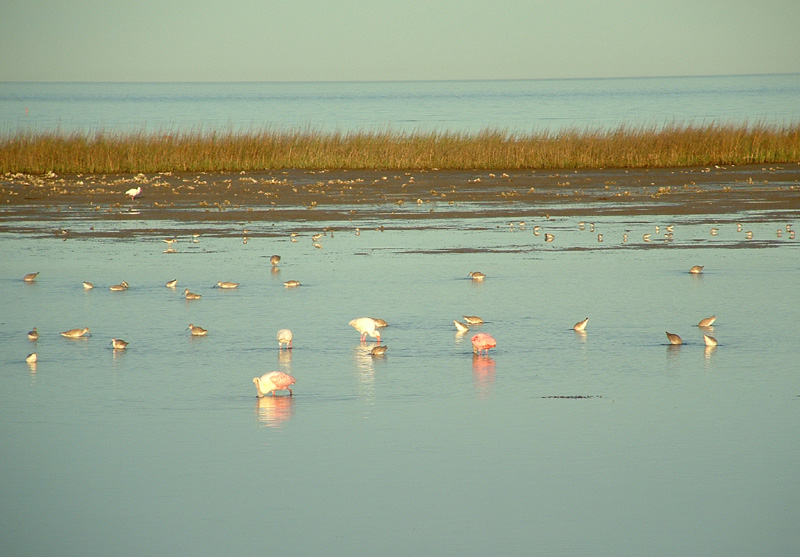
625 147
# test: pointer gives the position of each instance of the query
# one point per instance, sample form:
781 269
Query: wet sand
342 195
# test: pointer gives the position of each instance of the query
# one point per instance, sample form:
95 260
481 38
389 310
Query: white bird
285 337
580 326
31 358
133 192
273 381
709 340
366 326
460 327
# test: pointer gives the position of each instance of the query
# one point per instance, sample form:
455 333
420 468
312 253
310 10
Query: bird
226 285
477 276
31 358
673 338
707 322
87 285
119 287
580 326
133 192
714 231
548 237
291 283
460 327
197 331
191 295
275 259
709 340
378 350
366 326
172 284
169 241
646 237
30 277
380 323
75 333
273 381
472 319
696 270
118 344
33 334
482 341
285 337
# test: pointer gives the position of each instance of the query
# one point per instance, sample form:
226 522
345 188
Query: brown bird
674 339
30 277
707 322
696 270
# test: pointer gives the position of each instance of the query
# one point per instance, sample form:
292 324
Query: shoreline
342 195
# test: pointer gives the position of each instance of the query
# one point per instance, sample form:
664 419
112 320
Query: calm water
460 106
164 448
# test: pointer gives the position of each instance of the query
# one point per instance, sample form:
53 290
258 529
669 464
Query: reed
674 145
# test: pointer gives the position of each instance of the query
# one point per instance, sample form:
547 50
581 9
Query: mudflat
341 195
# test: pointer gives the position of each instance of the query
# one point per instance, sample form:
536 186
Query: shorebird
646 237
580 326
714 231
31 358
707 322
380 323
366 326
273 381
482 342
119 287
673 338
169 241
696 270
748 235
30 277
285 337
87 285
548 237
76 333
291 283
378 350
624 237
536 230
191 295
472 319
118 344
33 334
197 331
738 227
275 259
709 340
133 192
599 237
460 327
172 283
477 276
226 285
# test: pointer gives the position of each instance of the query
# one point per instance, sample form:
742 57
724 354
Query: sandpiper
226 285
291 283
378 350
119 287
460 327
709 340
31 358
380 323
477 276
118 344
197 331
191 295
75 333
87 285
33 334
30 277
275 259
472 319
707 322
580 326
172 283
697 269
673 338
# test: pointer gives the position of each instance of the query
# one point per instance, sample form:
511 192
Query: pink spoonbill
482 341
273 381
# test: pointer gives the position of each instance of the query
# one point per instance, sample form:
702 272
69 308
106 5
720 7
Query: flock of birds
271 382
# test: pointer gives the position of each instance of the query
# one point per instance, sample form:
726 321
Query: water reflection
272 411
581 336
285 361
365 365
673 352
483 374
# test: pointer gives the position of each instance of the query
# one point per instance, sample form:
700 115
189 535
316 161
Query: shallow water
609 442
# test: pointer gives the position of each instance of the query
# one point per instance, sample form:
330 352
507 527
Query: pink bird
366 326
273 381
484 342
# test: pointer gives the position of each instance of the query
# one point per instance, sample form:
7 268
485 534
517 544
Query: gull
273 381
30 277
472 319
191 295
87 285
118 344
31 358
285 337
197 331
366 326
673 338
696 270
133 192
477 276
291 283
226 285
709 340
707 322
580 326
275 259
482 342
76 333
460 327
172 283
378 350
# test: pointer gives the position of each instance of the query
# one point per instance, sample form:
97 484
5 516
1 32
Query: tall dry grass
625 147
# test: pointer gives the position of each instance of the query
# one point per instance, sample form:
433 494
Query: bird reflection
673 351
285 361
272 411
483 372
365 365
581 335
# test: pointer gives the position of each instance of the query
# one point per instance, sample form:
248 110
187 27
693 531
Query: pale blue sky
320 40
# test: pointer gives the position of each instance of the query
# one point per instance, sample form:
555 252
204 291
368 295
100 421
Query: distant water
520 106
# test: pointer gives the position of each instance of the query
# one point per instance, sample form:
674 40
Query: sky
361 40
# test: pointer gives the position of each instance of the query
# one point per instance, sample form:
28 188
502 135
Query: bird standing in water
482 342
273 381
